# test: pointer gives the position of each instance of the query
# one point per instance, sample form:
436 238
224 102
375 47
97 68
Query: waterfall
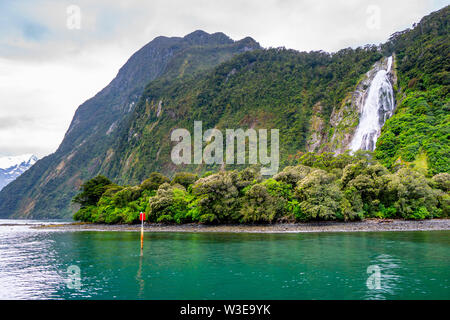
377 108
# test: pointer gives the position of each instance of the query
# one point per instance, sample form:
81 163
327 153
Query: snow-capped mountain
12 167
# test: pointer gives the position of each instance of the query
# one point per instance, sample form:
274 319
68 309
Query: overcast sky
49 66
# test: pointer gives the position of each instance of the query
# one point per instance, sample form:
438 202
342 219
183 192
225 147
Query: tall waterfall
377 108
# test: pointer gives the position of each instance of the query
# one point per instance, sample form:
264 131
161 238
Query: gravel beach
369 225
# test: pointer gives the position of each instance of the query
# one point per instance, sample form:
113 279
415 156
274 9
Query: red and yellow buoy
142 218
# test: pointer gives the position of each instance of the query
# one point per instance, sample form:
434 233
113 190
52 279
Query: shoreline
368 225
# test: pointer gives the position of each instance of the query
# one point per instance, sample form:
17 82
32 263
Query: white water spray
378 107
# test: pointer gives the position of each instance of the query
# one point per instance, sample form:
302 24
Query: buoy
142 217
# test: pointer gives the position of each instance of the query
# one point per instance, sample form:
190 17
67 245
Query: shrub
319 196
442 181
170 204
184 178
154 181
126 195
410 194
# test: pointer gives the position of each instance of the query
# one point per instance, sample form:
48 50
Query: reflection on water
139 278
34 263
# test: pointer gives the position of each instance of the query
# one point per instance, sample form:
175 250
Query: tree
411 195
91 191
442 181
170 204
291 175
265 202
319 196
154 181
218 197
184 178
364 186
126 195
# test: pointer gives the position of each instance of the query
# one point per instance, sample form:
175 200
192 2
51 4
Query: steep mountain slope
315 99
46 189
13 167
262 89
419 132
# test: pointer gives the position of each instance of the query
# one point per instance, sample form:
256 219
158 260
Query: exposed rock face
377 108
345 120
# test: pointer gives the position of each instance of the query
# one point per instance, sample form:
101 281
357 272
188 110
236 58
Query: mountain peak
12 167
201 37
11 161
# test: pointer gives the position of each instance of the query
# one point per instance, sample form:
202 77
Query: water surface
34 265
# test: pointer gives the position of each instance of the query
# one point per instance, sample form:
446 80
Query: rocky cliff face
345 119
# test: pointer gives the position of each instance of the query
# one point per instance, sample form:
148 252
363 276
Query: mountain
317 100
260 89
46 190
13 167
418 133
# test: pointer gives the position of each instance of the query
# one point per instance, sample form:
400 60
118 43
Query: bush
184 178
264 202
411 195
170 204
218 197
442 181
319 196
154 181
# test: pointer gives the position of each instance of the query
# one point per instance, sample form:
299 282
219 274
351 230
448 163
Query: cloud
38 29
48 69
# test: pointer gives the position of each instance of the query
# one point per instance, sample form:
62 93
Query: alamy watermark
374 280
73 21
213 152
373 21
73 277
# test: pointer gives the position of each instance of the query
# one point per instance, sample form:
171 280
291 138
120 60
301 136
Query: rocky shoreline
368 225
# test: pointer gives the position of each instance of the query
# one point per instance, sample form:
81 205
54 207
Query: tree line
319 187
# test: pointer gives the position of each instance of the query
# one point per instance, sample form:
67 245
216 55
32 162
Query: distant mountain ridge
12 167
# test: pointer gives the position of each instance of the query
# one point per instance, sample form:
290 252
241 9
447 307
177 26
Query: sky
56 54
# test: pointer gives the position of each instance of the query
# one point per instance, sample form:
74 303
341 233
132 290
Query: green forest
419 131
320 187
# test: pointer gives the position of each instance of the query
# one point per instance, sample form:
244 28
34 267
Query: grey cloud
7 123
41 32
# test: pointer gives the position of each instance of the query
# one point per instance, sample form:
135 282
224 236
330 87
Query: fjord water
34 265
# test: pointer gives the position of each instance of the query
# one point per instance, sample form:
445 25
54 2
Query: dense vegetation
319 187
273 88
419 132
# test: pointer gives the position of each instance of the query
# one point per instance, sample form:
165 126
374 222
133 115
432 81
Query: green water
413 265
